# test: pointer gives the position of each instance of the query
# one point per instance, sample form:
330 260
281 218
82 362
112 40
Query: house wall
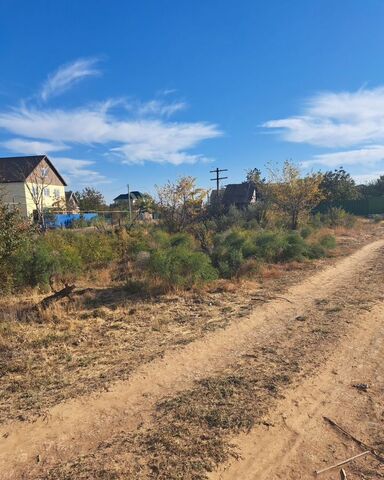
51 194
18 194
14 194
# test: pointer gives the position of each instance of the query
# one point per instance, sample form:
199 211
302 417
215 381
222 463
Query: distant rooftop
124 196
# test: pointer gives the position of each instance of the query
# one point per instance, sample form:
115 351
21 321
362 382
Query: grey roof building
239 194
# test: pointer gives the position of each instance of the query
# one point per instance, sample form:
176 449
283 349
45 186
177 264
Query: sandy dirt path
298 441
77 427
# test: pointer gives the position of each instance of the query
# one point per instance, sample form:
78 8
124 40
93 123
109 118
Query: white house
27 180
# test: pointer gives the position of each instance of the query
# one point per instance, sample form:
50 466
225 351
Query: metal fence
364 206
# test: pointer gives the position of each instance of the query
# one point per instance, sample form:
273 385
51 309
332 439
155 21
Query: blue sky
140 92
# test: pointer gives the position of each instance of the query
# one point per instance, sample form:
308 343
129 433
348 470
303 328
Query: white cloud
136 139
32 147
366 156
78 171
367 177
336 120
67 75
160 108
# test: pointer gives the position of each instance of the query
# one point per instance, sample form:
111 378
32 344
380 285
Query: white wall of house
18 194
52 193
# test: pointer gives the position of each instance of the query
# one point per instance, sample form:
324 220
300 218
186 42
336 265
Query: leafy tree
373 189
263 195
180 203
294 196
91 199
338 185
14 231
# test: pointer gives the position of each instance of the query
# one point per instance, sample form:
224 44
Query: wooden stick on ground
379 456
343 475
343 462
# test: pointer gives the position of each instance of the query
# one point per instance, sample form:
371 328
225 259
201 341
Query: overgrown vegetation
228 247
192 243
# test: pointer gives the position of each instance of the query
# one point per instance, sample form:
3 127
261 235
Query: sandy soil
298 442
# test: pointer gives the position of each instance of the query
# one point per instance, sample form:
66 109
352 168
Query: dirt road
298 441
72 433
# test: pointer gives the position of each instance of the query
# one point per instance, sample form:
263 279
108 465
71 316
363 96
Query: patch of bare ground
189 434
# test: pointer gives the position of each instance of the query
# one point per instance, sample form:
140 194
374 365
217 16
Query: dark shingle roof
124 196
17 169
70 195
238 193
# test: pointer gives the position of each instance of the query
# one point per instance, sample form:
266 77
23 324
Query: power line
218 178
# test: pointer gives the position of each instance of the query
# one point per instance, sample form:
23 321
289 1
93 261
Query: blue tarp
64 220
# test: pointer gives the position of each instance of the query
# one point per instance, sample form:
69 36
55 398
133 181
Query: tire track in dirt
78 426
298 441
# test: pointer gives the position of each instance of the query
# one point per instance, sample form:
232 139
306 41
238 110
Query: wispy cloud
367 156
32 147
126 131
67 75
336 120
135 140
79 171
159 108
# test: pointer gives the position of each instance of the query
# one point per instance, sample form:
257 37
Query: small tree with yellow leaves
180 203
292 194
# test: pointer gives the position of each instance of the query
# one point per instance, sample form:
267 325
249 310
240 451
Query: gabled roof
71 196
124 196
238 193
17 169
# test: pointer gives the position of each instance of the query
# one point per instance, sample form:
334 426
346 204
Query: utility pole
129 204
218 178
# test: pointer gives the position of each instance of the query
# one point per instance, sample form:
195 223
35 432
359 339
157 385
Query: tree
263 194
180 203
90 199
37 185
294 196
373 189
14 230
338 185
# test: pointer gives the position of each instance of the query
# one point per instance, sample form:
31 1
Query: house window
44 172
56 193
46 192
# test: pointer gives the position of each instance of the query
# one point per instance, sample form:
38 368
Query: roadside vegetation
192 243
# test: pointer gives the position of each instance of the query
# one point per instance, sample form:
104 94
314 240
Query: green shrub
327 241
316 251
306 231
294 247
182 267
36 264
231 249
269 246
336 217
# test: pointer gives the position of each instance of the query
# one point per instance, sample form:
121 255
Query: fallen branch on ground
379 456
343 475
343 463
64 292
